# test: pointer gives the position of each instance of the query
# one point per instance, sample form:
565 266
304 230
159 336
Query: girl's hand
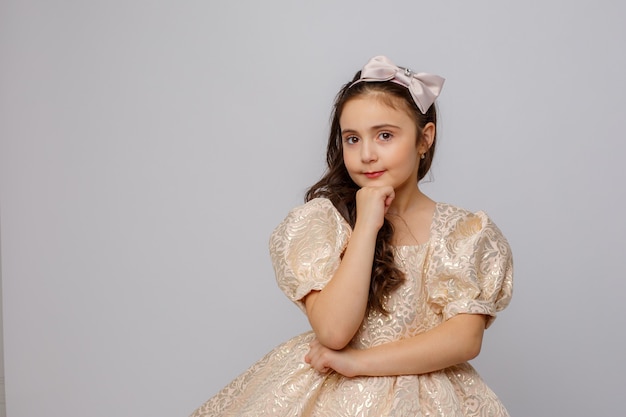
325 360
372 204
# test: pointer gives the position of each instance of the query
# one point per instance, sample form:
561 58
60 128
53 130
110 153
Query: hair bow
424 88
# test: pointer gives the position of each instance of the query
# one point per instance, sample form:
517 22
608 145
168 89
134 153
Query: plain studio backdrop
149 148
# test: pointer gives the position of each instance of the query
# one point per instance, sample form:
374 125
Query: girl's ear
428 136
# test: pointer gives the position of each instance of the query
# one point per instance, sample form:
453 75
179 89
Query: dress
465 267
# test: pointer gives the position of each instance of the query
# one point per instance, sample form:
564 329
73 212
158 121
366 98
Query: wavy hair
337 186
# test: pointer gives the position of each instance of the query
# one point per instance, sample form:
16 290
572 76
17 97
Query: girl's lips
373 174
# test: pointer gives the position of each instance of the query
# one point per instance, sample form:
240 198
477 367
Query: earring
423 156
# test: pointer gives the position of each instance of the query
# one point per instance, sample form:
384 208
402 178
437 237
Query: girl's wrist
365 230
360 362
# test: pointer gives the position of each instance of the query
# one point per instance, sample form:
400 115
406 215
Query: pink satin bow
424 88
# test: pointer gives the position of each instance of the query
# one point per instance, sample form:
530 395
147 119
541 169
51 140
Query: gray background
148 149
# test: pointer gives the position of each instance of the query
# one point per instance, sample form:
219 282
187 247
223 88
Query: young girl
397 287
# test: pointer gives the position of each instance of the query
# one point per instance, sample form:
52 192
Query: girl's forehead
366 106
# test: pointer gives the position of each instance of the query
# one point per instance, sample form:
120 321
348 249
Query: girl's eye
385 136
351 140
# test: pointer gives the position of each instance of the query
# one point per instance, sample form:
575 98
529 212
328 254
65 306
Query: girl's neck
410 201
411 215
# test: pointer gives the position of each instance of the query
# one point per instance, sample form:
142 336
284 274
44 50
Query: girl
397 287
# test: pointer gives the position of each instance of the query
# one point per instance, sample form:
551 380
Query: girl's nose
368 153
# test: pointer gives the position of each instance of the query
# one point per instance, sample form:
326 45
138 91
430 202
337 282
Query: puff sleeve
306 248
471 267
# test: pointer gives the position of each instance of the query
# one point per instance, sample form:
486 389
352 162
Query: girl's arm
456 340
337 311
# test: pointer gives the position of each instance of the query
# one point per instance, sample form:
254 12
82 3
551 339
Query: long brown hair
337 186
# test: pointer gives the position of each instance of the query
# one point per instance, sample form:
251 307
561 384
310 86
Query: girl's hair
337 186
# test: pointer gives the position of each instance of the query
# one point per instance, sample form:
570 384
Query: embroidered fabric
465 267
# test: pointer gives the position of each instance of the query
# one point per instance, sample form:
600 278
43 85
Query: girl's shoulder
306 248
315 216
316 209
318 203
454 221
450 210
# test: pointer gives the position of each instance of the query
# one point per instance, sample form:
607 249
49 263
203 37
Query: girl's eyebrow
377 127
385 125
344 131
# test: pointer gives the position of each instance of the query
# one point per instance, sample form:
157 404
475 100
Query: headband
424 88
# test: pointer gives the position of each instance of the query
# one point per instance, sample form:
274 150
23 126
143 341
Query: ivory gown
465 267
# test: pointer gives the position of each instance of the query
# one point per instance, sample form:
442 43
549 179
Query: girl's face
380 144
